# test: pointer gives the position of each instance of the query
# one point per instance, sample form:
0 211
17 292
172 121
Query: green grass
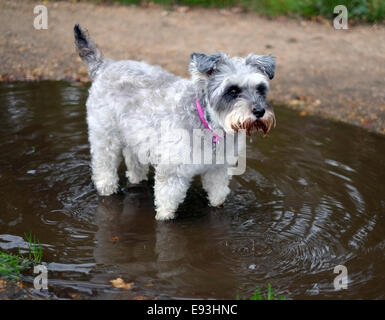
359 10
35 250
257 295
11 265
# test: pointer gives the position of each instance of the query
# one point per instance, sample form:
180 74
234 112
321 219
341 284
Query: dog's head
235 90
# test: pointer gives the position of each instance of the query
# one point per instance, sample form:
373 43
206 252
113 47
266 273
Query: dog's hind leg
136 172
105 160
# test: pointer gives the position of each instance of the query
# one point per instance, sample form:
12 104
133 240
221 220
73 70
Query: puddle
312 198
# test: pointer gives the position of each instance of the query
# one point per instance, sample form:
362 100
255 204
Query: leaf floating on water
114 239
121 284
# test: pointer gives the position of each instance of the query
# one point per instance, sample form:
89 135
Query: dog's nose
259 112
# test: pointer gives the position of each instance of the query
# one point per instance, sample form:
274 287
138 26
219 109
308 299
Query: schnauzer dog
130 101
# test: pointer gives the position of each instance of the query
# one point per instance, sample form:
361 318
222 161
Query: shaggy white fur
135 109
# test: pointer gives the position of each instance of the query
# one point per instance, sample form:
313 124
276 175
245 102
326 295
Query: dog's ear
203 65
266 64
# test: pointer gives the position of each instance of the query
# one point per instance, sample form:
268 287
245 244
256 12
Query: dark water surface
313 197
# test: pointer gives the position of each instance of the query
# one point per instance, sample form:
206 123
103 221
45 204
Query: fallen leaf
114 239
141 298
302 113
149 285
295 102
83 71
365 122
120 284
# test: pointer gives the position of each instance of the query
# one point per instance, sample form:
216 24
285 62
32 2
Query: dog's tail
88 51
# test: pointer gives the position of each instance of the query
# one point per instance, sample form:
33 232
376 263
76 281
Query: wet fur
127 98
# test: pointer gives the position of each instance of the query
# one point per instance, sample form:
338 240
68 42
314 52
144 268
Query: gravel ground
338 74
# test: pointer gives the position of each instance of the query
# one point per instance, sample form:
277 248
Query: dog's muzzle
263 121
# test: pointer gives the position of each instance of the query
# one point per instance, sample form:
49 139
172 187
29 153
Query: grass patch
11 265
359 10
35 250
257 295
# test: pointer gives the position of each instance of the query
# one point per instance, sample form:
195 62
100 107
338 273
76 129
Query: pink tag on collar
202 117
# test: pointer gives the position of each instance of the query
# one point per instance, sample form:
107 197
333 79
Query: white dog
134 110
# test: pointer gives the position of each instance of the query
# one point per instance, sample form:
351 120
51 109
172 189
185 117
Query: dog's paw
217 204
164 216
106 189
106 184
217 200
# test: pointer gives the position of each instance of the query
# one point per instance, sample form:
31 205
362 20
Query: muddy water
313 197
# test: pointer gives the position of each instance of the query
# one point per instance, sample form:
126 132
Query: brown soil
339 74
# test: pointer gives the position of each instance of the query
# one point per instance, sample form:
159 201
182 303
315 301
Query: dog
130 103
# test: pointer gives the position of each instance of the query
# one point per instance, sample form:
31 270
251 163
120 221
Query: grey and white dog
129 99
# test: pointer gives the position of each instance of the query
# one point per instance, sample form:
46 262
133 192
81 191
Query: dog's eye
234 91
261 89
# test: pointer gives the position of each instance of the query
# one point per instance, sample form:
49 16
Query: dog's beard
242 118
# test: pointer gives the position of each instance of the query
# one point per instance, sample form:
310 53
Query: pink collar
202 117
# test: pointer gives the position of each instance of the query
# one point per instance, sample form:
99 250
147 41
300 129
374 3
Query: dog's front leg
215 181
170 190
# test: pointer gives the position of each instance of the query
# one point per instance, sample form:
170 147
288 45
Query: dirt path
339 74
